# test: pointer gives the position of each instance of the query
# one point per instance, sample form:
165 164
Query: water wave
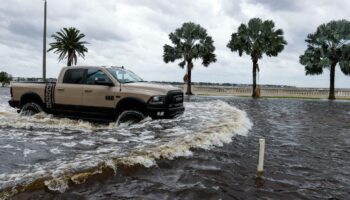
59 152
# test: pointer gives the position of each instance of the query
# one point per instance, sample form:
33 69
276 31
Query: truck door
97 93
69 93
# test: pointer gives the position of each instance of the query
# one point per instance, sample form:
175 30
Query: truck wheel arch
30 97
131 103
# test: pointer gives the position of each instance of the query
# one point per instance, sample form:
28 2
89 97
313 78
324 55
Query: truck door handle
88 91
60 89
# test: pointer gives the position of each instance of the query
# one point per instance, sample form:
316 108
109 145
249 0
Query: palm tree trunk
332 79
69 62
69 59
255 66
189 70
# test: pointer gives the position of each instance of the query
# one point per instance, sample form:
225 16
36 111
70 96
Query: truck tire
130 117
30 109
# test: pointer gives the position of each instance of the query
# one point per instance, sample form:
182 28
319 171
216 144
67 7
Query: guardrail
269 92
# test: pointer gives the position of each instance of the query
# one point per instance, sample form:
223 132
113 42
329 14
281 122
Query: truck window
124 76
74 76
93 74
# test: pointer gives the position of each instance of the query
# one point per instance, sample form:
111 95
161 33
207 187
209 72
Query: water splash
71 150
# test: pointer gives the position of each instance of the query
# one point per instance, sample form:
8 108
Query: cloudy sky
132 33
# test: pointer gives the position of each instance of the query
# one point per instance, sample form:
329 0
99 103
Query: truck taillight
11 92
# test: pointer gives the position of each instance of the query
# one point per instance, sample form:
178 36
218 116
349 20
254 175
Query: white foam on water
44 121
143 160
64 137
41 143
104 150
8 146
203 126
59 185
216 134
26 152
69 144
55 150
112 140
87 142
111 165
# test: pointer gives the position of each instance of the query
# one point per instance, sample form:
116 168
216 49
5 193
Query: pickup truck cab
98 93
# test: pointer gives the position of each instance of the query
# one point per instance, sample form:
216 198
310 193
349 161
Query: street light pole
44 43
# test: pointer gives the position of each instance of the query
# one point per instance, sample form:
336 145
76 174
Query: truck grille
175 98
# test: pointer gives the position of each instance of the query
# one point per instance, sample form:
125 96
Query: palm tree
190 42
327 47
255 39
68 45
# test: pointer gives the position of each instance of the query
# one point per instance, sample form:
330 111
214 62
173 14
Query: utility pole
44 42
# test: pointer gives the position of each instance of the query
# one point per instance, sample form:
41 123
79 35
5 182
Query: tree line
5 78
328 47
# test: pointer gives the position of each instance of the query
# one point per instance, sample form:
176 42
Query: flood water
208 153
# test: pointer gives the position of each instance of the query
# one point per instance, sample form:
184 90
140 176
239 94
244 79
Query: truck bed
45 90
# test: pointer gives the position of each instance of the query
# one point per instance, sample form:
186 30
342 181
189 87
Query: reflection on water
205 154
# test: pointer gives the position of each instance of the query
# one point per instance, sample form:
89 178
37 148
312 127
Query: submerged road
209 153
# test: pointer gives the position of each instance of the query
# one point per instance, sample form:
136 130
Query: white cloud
132 33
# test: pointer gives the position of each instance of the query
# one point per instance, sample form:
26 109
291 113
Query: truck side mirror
103 81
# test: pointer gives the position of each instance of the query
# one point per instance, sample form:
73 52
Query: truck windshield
124 76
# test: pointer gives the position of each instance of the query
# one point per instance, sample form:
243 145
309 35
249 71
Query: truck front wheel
30 109
130 117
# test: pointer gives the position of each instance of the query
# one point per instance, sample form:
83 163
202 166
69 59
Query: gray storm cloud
132 33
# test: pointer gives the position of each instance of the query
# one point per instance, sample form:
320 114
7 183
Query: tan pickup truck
98 93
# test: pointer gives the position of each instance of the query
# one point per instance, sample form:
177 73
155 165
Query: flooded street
208 153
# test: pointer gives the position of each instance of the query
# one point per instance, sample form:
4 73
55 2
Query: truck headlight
157 100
